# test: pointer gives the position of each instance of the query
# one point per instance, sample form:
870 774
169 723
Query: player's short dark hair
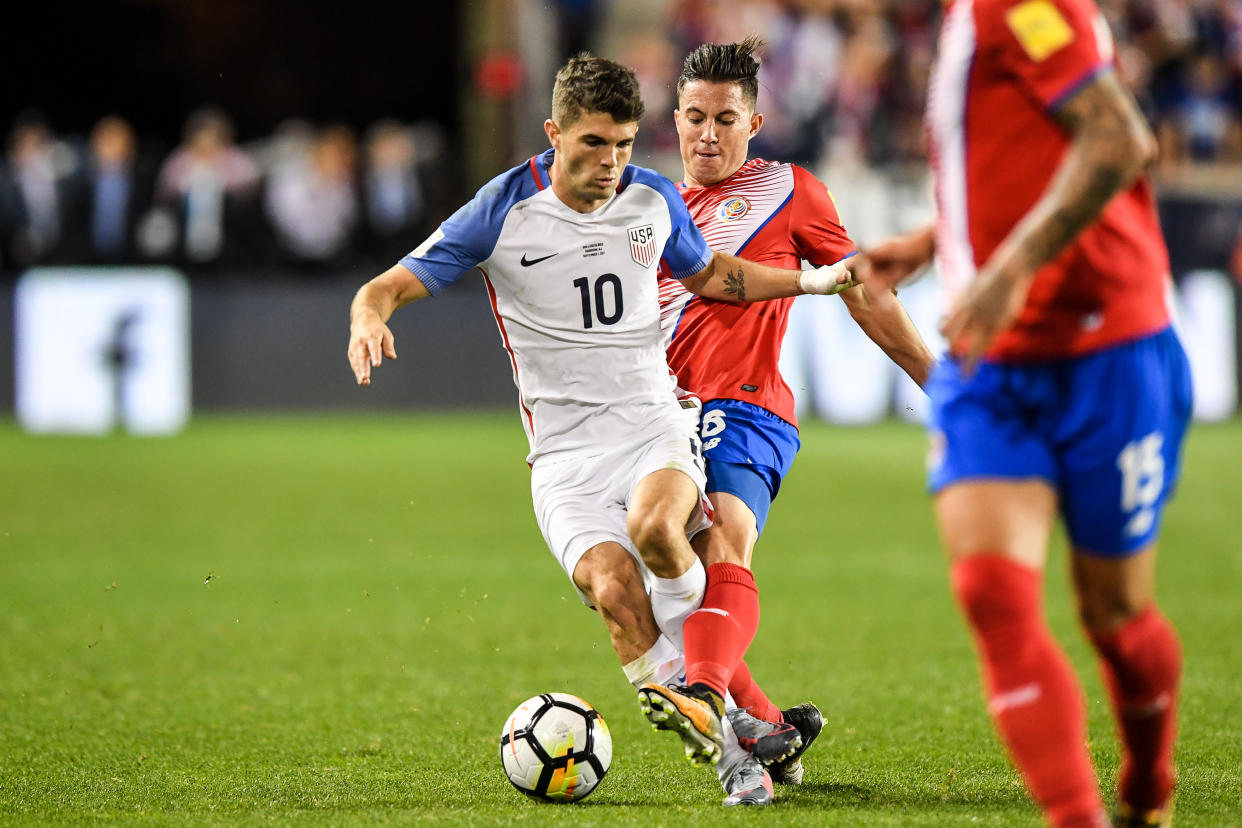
725 63
591 84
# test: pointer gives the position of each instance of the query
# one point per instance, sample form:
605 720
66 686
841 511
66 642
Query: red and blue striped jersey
775 214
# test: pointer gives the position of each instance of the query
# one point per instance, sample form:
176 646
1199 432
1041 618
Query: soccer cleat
809 722
749 784
1126 817
692 718
766 741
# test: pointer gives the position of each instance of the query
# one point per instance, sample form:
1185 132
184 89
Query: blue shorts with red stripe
1105 430
749 450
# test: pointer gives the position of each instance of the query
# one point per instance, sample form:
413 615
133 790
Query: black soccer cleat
809 722
767 742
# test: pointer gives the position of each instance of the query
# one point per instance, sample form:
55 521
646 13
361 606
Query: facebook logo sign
102 349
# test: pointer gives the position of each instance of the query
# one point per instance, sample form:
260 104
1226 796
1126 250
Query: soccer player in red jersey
1066 394
726 355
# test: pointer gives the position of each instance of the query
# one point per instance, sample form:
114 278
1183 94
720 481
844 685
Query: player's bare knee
604 569
1111 592
620 599
1103 611
654 534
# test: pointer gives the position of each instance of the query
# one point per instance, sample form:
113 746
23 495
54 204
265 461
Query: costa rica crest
733 208
642 244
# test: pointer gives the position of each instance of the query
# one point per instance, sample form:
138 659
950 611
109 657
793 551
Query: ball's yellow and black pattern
555 747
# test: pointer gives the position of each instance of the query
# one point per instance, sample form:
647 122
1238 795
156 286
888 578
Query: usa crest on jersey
642 244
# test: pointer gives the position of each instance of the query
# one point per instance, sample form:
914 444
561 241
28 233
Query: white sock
734 754
663 664
673 599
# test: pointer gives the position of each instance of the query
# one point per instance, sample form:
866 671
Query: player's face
714 124
591 154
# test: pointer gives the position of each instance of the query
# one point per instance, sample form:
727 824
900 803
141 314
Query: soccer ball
555 747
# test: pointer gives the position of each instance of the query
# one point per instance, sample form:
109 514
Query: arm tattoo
1104 157
1070 219
736 285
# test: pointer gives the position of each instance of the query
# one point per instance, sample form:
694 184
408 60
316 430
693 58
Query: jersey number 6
600 313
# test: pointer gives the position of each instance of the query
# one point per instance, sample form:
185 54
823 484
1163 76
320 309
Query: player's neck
689 182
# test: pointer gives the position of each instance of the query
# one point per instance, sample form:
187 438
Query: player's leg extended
997 534
718 634
1140 657
662 505
580 510
1118 476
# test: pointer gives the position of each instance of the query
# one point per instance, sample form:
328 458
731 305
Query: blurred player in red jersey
726 355
1067 393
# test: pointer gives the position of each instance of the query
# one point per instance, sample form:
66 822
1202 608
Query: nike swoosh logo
528 262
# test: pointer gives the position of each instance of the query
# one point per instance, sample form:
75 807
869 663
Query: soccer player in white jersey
569 244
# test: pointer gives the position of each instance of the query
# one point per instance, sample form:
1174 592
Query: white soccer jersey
575 297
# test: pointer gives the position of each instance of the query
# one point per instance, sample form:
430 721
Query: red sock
717 634
1142 663
749 696
1033 696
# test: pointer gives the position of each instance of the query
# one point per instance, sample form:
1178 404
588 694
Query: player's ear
756 124
554 134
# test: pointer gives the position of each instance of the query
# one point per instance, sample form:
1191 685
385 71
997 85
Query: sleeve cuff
433 285
696 269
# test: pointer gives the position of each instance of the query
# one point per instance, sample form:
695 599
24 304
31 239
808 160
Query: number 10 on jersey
599 309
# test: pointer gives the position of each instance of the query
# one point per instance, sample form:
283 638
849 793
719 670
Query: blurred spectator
393 198
206 189
291 140
312 201
33 194
656 64
577 26
1205 111
111 191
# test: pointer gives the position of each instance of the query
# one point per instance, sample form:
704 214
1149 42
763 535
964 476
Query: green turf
325 621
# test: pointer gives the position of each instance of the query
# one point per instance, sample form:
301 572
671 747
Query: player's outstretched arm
731 279
1110 145
370 339
884 320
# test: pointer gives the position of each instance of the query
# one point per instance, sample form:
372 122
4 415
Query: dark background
263 61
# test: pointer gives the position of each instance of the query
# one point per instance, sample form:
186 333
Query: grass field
325 621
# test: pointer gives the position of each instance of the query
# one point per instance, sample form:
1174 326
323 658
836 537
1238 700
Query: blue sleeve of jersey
686 252
469 236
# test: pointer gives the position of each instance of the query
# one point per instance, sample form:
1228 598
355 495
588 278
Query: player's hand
894 260
829 279
985 309
370 341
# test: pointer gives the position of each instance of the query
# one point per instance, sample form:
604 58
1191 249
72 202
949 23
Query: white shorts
582 500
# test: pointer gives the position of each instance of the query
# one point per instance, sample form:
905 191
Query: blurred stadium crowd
842 84
314 198
846 79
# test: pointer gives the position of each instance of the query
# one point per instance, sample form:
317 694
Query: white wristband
826 280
